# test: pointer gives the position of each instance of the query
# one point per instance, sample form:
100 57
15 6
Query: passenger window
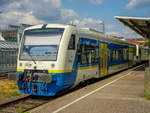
79 54
87 54
72 43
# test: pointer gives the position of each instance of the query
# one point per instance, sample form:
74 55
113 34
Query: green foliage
13 86
147 96
21 110
16 93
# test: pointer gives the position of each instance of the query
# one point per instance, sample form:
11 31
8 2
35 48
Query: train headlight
20 64
30 65
52 65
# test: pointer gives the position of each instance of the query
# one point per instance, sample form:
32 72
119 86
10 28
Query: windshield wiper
30 55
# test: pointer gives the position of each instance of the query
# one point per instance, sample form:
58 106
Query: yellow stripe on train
118 65
60 71
20 70
64 71
51 71
88 67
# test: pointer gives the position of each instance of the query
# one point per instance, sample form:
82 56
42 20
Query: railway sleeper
23 106
33 103
6 111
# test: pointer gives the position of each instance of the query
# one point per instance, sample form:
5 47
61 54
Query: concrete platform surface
118 94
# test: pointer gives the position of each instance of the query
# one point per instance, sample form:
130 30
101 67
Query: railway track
30 102
3 76
23 104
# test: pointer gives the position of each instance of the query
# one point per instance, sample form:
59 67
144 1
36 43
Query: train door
103 59
130 56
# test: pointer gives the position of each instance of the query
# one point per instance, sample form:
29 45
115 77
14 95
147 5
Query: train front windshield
41 44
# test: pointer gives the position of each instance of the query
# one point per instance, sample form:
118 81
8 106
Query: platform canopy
139 25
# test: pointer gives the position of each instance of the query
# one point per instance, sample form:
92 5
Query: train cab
46 58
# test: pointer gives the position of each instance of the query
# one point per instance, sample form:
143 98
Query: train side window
110 56
72 43
79 54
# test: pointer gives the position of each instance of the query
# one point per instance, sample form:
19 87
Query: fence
8 56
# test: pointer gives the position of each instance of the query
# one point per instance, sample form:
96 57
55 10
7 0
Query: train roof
84 31
48 26
102 36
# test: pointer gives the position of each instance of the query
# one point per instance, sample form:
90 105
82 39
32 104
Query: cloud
68 14
128 33
89 22
97 24
19 17
43 9
34 12
138 4
111 26
30 19
4 2
94 1
14 5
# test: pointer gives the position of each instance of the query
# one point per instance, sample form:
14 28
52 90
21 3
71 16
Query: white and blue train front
45 65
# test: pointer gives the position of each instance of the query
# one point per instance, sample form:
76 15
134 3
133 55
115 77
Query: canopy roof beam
136 30
139 25
140 30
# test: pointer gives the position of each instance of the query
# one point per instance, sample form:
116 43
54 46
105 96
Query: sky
83 13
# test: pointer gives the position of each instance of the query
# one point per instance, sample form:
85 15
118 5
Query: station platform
120 93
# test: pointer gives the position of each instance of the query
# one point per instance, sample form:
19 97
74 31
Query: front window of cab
41 44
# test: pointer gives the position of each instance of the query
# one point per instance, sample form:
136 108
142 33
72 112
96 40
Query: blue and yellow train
56 57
